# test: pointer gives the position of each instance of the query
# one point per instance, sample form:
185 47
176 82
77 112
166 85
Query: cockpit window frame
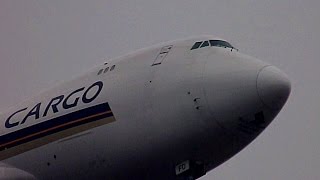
212 43
205 44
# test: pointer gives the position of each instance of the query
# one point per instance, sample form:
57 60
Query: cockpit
215 43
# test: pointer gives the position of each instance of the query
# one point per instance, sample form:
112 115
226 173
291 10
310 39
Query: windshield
216 43
220 43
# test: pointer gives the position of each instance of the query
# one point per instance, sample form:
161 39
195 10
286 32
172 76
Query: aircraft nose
273 87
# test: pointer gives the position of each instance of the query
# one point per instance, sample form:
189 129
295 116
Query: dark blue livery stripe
55 125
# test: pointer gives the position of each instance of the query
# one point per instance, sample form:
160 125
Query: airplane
175 110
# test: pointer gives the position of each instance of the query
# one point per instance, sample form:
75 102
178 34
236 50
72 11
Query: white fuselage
147 113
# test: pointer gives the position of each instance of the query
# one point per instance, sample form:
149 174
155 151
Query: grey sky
43 42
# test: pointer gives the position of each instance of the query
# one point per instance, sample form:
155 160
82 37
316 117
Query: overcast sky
43 42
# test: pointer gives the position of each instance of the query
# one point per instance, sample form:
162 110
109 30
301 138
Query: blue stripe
74 116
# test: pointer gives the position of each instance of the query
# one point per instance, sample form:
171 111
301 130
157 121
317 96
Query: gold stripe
61 125
7 153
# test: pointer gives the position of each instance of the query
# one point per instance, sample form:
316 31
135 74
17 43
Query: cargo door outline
162 55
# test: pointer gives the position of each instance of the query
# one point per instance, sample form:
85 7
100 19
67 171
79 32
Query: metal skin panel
185 109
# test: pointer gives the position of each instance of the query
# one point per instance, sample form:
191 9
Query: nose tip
273 87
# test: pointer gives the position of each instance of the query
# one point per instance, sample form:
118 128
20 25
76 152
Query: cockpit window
220 43
196 45
205 44
216 43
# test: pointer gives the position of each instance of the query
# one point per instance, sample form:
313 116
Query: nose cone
273 87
